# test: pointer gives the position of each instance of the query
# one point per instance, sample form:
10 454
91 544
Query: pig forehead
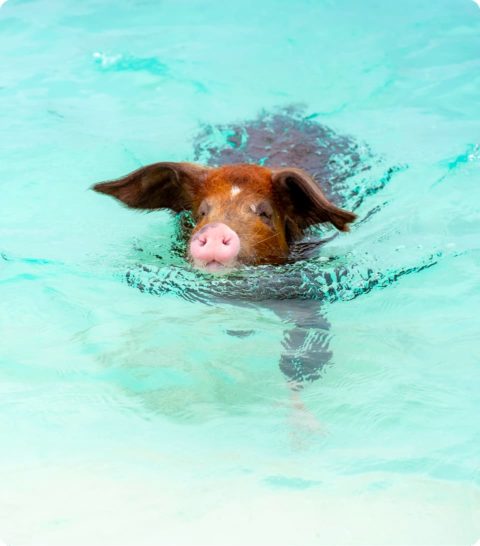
234 179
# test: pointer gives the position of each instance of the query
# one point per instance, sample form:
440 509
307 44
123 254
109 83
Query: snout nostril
214 246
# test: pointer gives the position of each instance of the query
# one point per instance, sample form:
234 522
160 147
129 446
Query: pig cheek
273 245
271 251
259 243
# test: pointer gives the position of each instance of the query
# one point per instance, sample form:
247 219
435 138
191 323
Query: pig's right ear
157 186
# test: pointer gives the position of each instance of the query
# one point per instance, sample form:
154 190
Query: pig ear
304 202
157 186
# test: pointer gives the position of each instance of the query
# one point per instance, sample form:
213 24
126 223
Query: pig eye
203 209
264 211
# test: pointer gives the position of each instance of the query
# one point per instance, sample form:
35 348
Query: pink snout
214 247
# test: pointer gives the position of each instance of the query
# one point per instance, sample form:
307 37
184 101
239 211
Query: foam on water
164 414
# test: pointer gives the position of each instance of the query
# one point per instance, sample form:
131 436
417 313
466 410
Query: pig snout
214 247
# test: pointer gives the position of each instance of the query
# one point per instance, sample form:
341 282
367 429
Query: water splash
124 63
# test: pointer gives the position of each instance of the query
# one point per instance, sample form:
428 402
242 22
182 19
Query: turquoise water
153 417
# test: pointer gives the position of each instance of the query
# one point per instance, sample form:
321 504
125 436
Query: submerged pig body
244 214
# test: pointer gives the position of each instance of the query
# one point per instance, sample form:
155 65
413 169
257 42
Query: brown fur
269 208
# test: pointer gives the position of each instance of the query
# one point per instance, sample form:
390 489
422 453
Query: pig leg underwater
306 349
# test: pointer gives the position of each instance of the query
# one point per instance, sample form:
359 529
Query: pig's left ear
157 186
304 202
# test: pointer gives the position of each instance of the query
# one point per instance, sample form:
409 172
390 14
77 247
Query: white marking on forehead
235 191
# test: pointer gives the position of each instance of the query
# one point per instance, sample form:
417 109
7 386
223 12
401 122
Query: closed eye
264 211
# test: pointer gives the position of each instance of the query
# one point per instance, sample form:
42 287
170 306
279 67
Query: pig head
244 214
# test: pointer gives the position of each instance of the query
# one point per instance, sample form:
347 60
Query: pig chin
214 267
